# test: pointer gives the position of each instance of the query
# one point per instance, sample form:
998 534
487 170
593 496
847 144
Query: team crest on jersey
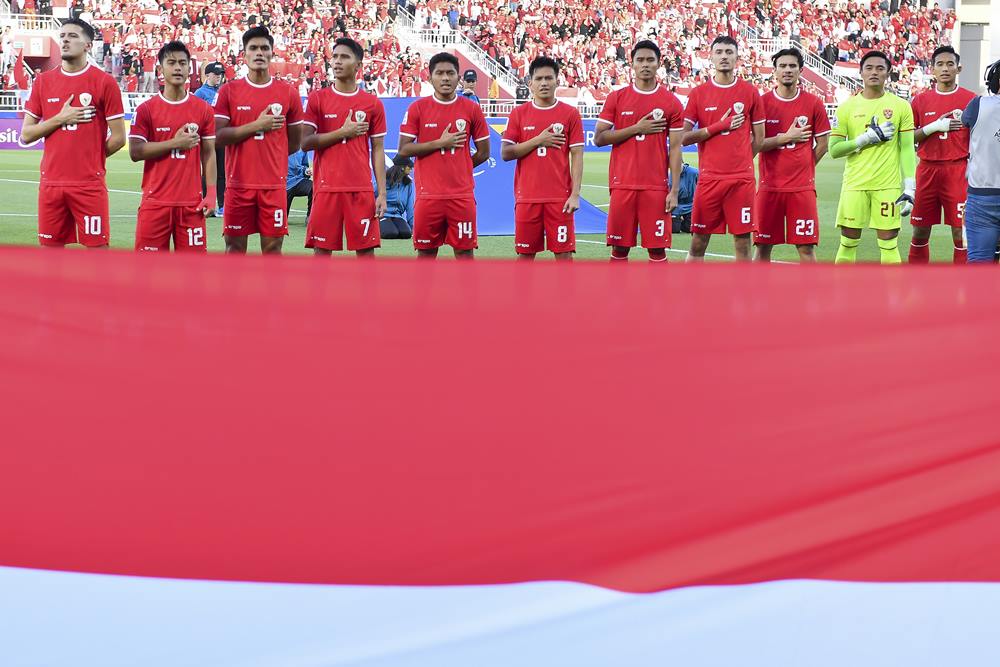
86 99
557 128
360 116
657 114
460 124
956 114
801 121
275 109
738 107
887 113
192 127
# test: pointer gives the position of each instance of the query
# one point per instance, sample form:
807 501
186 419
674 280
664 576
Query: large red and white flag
209 461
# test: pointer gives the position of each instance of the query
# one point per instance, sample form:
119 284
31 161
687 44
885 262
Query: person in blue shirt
469 85
214 74
397 223
299 182
681 215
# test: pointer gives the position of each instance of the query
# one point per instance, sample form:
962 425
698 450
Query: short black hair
87 29
258 31
442 57
355 48
646 44
945 49
541 62
795 53
725 39
875 54
172 47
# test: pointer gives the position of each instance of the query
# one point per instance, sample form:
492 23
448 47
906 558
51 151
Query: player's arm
946 123
793 135
209 170
313 140
378 167
116 140
727 123
227 135
482 153
139 148
676 167
821 147
607 135
576 179
408 146
908 165
758 137
294 133
34 128
515 151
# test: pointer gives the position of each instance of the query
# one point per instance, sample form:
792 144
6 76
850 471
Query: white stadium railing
30 22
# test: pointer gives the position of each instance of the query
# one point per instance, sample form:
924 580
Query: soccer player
635 122
796 137
727 143
258 120
545 136
943 148
436 131
346 127
174 134
77 109
874 132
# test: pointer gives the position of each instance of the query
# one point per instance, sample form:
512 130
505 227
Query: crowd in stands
590 38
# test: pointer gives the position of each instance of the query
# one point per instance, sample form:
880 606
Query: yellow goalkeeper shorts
877 209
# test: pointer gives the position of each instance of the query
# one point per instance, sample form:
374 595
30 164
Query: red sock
920 254
657 255
615 257
961 255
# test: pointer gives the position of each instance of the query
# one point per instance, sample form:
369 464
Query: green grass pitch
19 192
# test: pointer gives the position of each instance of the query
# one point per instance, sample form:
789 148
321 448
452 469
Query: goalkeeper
875 133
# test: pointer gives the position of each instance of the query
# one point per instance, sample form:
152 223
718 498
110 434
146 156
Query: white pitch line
15 180
33 215
707 254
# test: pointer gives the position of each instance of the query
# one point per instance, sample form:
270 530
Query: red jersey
543 175
74 154
728 154
927 108
260 162
640 162
791 168
444 174
346 165
175 178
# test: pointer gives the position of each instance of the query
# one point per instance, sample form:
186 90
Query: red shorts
539 224
157 224
254 212
73 215
940 185
786 217
335 214
440 221
642 211
719 205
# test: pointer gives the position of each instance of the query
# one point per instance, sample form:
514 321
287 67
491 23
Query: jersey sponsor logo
430 124
887 113
929 113
52 99
711 108
163 129
329 115
773 120
528 128
627 113
243 108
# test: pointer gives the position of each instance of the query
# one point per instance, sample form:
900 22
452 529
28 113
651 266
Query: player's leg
707 217
430 226
853 211
959 254
529 230
56 226
655 225
623 223
462 235
220 179
802 215
769 213
360 224
190 230
886 221
239 219
153 228
926 213
560 231
953 189
737 205
982 228
271 220
325 228
90 210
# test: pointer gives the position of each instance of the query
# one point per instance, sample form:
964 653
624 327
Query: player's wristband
719 126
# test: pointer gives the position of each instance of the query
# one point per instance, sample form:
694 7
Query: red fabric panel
395 422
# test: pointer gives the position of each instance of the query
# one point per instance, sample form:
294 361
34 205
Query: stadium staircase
430 40
817 70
